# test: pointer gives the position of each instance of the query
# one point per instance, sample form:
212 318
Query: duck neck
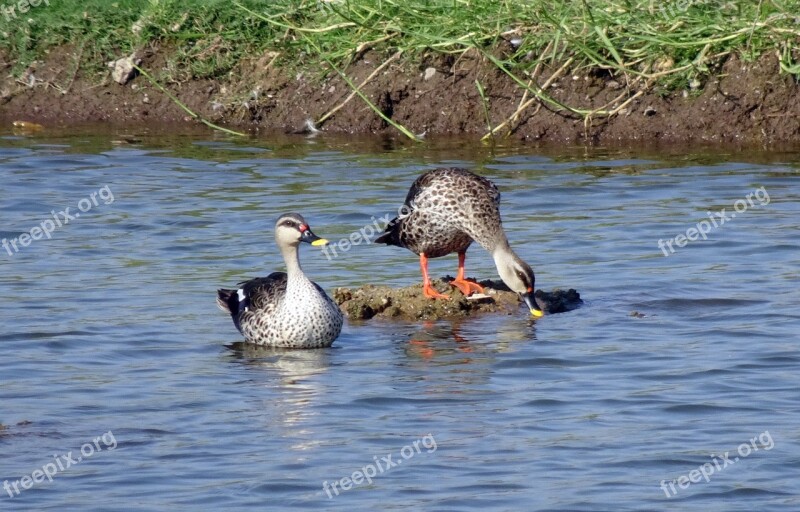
291 256
506 260
494 242
501 251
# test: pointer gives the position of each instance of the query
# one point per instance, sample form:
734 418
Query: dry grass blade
184 107
353 94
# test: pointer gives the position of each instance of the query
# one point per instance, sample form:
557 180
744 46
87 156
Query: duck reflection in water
289 400
447 337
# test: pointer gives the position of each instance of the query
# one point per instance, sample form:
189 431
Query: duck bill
531 303
310 238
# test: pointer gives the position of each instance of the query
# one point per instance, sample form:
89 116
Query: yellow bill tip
320 241
537 313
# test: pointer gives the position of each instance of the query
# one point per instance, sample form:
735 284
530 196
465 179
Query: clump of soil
410 304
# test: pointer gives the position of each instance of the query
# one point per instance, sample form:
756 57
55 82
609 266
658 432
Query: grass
645 38
666 44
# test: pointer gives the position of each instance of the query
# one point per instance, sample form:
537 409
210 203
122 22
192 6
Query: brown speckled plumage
445 210
284 309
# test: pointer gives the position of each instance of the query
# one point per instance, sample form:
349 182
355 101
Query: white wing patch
242 297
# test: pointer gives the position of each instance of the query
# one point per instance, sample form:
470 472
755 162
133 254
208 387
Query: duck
447 209
285 309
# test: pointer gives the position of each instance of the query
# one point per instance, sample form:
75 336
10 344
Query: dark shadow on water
193 141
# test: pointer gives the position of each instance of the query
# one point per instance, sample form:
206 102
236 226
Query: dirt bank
748 102
410 304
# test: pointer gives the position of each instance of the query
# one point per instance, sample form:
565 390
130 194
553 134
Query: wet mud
409 303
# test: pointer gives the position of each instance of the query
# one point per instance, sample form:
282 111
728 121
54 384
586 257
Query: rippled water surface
112 344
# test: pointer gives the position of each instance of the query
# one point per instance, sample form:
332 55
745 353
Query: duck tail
227 301
392 234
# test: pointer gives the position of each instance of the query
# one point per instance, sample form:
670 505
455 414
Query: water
112 340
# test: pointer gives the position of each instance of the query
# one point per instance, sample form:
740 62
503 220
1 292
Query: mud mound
410 304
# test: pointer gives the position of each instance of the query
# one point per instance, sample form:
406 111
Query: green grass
666 44
211 35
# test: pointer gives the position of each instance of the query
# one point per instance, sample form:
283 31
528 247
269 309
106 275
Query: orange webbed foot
467 287
432 293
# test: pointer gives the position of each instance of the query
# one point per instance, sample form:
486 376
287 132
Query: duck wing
391 235
260 294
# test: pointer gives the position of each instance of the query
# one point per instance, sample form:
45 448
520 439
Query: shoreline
735 111
584 75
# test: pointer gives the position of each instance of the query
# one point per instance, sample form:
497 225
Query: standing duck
285 309
444 212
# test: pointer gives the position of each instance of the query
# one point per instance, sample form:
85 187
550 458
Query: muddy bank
739 102
410 304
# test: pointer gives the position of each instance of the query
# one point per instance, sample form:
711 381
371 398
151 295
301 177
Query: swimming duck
285 309
444 212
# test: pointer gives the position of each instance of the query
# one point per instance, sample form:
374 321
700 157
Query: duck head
292 228
518 276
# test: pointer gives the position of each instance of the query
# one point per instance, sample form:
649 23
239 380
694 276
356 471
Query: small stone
664 64
123 70
429 73
649 111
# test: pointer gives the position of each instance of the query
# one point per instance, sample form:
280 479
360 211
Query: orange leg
421 347
466 287
427 289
